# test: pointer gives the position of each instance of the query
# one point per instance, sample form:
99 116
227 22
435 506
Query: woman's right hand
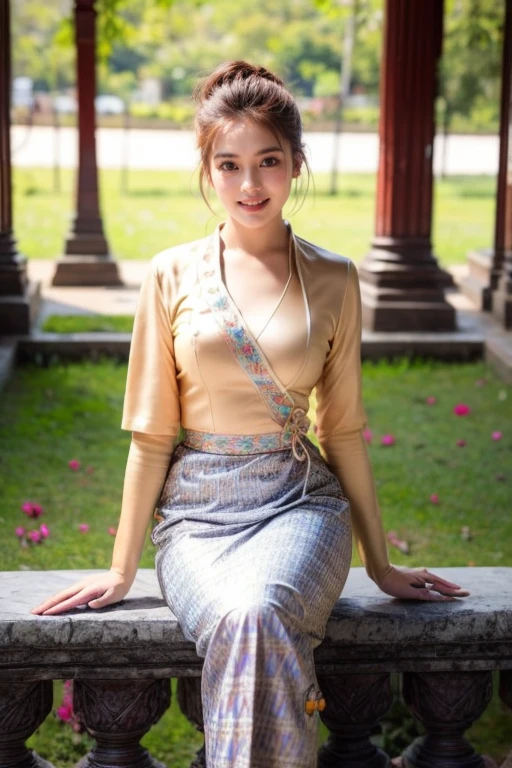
96 591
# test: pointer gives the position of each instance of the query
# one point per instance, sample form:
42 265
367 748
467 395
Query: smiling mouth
255 204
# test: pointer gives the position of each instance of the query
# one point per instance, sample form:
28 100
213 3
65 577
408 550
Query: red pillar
401 282
87 260
501 275
18 298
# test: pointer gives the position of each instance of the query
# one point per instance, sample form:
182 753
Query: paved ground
165 149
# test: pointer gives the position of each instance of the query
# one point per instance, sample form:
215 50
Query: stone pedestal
446 704
401 282
117 714
23 707
354 705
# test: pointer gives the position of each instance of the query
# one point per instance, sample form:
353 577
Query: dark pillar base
477 285
502 307
23 707
354 705
86 271
118 713
402 288
446 703
18 313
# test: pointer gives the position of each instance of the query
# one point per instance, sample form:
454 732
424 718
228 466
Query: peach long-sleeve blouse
182 373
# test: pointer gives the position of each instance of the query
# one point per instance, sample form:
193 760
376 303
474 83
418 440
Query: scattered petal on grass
434 498
497 435
368 435
32 509
19 531
44 530
74 464
461 443
465 532
83 527
388 440
502 394
112 531
65 713
431 400
35 536
89 470
471 563
400 544
481 382
461 409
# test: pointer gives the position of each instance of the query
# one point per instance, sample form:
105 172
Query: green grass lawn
163 208
49 416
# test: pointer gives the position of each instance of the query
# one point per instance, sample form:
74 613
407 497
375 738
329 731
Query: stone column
18 299
87 260
501 275
118 713
401 282
446 703
23 707
355 703
485 267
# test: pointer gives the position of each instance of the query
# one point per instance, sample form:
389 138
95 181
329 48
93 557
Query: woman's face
251 172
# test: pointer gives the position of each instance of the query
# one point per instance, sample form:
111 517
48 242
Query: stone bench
121 659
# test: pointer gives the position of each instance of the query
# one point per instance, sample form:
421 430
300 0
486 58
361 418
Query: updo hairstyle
238 90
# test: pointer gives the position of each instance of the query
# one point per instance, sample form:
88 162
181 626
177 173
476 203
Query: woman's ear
297 165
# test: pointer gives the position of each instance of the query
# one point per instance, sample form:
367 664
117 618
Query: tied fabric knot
298 426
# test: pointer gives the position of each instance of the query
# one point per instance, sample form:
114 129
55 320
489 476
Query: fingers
443 586
428 595
106 599
60 597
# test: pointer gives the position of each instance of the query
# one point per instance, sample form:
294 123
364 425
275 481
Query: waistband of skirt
243 445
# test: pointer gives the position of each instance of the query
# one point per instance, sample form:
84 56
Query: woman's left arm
340 421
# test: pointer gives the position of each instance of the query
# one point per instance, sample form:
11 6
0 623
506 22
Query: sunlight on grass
164 208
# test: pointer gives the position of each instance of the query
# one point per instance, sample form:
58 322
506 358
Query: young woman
232 333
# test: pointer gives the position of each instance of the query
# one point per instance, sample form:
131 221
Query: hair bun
230 72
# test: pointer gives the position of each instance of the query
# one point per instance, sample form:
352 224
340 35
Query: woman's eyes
267 162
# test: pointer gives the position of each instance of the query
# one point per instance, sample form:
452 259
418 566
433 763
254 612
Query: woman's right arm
147 464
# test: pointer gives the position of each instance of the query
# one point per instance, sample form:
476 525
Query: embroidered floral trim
242 345
211 442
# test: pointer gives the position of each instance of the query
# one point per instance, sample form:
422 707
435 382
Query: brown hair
236 90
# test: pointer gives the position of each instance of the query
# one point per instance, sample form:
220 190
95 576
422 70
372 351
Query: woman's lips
253 207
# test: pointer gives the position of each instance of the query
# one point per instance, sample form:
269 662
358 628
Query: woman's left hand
419 584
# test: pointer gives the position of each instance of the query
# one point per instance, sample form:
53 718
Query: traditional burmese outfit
254 538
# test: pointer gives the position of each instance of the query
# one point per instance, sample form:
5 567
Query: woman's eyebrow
259 152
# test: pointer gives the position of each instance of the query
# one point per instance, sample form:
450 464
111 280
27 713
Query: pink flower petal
19 531
44 530
37 510
461 409
434 498
368 435
35 536
83 527
388 440
431 400
26 507
74 464
112 531
65 713
497 435
461 443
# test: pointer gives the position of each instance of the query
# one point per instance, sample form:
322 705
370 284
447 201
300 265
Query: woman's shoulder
177 259
317 254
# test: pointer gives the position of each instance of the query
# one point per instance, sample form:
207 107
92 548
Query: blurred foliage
177 41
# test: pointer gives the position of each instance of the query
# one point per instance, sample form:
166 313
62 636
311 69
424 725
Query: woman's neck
256 241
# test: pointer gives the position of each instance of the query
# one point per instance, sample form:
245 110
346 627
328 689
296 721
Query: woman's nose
251 183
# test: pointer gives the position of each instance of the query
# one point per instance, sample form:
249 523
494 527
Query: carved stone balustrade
121 659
